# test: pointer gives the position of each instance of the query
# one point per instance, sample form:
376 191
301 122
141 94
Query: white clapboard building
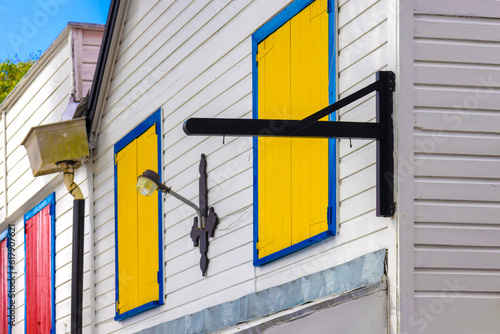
385 221
48 93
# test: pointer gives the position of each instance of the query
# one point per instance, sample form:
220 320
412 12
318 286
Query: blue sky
28 27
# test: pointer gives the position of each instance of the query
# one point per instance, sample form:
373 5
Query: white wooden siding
42 99
193 58
3 193
41 102
362 51
457 178
64 235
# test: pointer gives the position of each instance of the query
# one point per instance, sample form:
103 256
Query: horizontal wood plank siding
362 51
43 100
193 59
457 179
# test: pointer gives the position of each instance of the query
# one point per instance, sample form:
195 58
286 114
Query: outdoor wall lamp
149 182
206 221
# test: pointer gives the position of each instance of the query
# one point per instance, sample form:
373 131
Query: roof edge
89 26
44 59
104 66
33 72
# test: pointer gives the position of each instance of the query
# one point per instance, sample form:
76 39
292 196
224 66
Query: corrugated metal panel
38 273
457 196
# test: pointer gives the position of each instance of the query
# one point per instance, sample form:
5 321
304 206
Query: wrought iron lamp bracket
200 235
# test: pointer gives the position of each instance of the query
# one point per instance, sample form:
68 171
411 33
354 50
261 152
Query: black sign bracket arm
312 127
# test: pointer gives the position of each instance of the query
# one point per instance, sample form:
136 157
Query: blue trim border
332 142
154 118
293 248
280 19
5 234
137 310
262 33
50 200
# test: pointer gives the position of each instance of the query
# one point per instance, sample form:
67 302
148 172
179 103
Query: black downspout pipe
77 266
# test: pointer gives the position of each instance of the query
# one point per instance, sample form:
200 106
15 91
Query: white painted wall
63 247
193 58
42 101
457 170
40 98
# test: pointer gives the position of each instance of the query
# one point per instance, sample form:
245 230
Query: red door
3 287
38 273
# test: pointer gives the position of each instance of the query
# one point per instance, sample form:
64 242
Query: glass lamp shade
146 186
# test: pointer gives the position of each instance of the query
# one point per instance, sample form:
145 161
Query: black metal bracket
209 224
312 127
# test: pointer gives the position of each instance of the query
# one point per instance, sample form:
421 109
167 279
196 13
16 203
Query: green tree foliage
11 73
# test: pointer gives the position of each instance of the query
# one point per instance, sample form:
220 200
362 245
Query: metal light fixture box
56 142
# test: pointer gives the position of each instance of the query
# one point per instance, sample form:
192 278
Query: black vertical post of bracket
385 145
200 236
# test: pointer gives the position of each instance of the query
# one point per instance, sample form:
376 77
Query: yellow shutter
147 218
127 228
293 173
137 225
